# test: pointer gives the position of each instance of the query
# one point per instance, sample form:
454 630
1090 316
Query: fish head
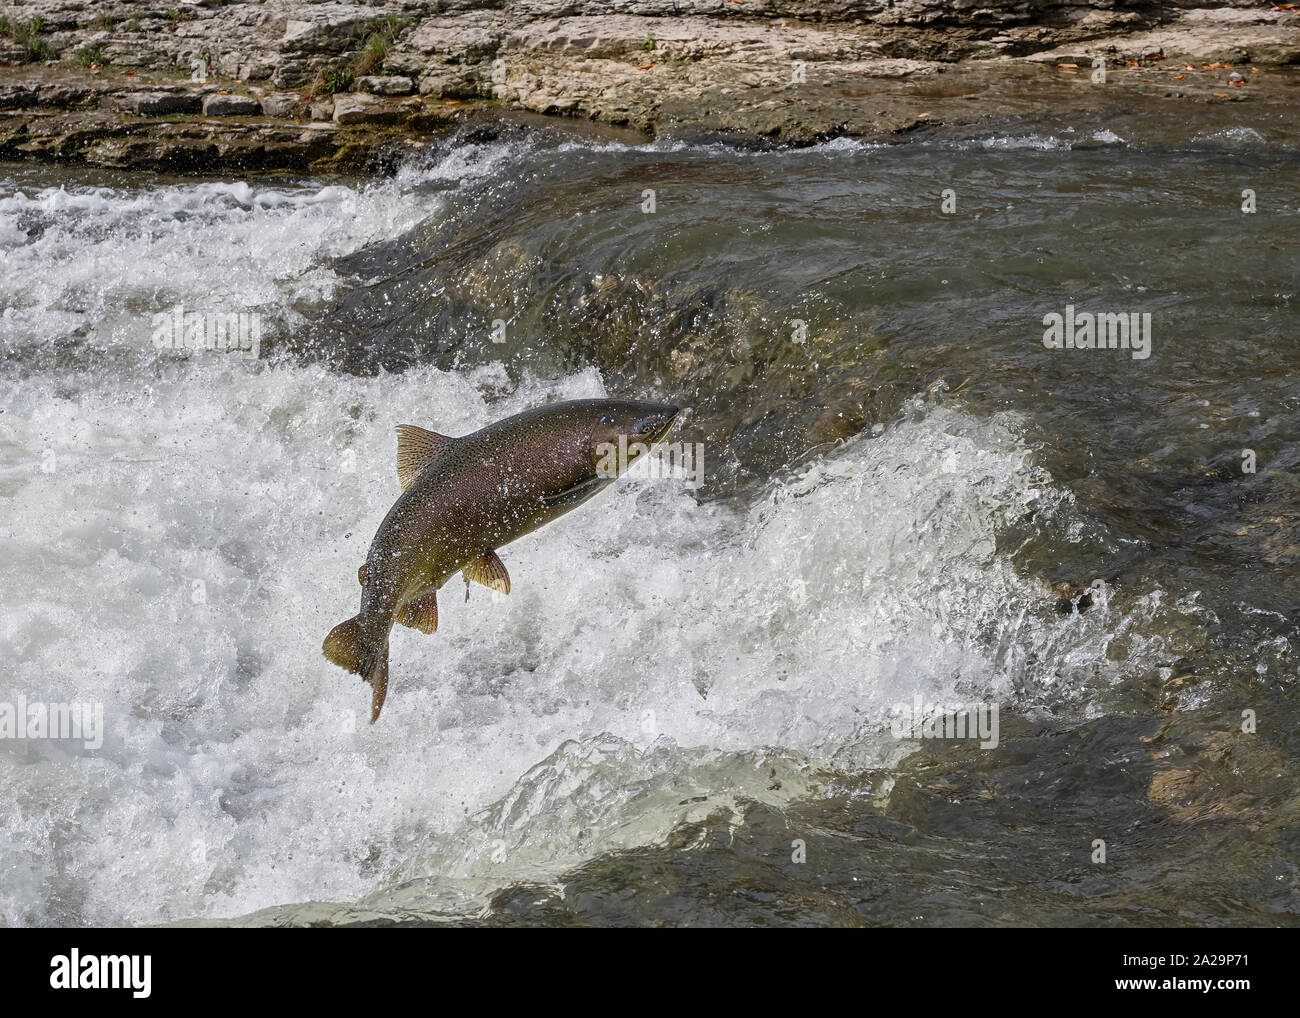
627 428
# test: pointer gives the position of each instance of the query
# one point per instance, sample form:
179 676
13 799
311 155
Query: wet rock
231 106
361 109
18 97
655 66
154 104
63 96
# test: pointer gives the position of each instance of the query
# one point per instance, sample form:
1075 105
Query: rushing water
911 496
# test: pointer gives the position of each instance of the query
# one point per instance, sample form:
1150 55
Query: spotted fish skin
466 497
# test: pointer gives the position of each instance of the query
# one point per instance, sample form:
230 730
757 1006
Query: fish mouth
668 415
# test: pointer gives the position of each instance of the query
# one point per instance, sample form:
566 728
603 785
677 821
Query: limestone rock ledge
324 85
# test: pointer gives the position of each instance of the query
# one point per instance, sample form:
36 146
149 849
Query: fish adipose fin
421 612
415 447
345 647
580 492
488 570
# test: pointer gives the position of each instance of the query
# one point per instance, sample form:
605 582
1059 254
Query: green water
696 302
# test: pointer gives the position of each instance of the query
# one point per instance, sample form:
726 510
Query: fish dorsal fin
415 447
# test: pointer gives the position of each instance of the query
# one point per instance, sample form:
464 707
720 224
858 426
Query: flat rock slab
394 84
361 109
18 97
153 104
27 96
231 106
282 104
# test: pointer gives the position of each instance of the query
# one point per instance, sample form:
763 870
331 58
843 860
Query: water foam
189 549
99 262
176 545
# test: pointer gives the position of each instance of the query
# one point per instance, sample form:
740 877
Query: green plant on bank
200 65
649 43
88 56
374 50
104 22
25 33
371 52
332 79
134 24
174 15
376 45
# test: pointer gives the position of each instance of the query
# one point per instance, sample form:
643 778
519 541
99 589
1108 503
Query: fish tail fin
377 675
346 647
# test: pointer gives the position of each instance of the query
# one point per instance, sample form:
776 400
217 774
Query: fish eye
645 427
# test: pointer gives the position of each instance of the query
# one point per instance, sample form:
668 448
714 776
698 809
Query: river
685 711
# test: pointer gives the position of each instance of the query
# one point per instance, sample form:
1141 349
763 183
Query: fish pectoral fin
415 447
421 612
580 492
361 575
488 570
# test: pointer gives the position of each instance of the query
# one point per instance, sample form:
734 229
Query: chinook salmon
463 498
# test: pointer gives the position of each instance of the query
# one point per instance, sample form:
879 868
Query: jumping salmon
466 497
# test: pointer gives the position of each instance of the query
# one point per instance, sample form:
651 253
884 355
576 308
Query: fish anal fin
415 447
421 612
488 570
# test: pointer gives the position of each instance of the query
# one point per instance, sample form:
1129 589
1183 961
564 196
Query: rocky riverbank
289 84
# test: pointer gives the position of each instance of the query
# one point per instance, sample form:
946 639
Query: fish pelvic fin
415 447
345 647
488 570
421 612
